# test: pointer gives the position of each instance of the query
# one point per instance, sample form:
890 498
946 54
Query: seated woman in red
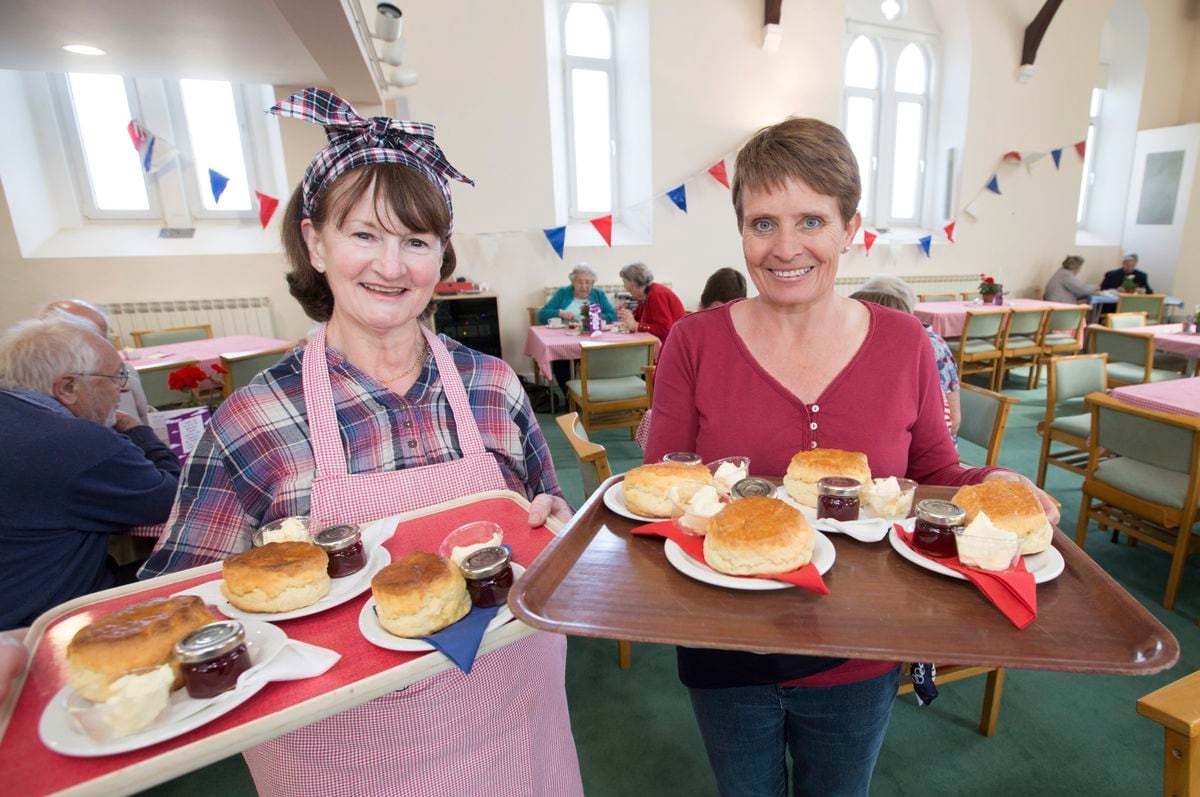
657 309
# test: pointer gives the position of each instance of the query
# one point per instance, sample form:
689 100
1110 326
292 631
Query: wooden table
949 318
597 580
206 351
545 344
1176 396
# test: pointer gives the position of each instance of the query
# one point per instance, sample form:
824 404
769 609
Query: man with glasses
73 468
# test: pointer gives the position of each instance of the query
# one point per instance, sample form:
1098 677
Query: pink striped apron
502 730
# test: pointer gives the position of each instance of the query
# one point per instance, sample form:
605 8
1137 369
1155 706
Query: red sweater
659 311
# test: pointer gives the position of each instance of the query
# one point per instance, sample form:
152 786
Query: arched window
1089 161
590 92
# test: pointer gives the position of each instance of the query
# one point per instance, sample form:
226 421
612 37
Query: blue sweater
565 296
65 483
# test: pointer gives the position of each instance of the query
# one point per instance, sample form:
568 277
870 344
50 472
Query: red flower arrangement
987 285
189 378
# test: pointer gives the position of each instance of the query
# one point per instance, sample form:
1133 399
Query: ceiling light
387 22
392 53
83 49
890 9
403 77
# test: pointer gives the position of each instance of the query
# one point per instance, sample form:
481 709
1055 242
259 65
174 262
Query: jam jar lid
941 513
686 457
335 538
751 487
485 563
209 641
839 486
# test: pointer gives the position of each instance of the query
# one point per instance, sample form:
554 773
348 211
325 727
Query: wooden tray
363 673
598 580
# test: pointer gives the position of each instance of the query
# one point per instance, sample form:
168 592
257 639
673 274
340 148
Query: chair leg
624 654
1043 459
1081 528
1032 365
991 702
1177 561
1037 372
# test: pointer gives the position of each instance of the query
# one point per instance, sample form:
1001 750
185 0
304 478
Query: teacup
556 322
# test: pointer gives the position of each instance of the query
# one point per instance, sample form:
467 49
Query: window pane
906 173
590 120
113 167
1097 99
587 32
910 70
216 141
860 130
862 65
1085 184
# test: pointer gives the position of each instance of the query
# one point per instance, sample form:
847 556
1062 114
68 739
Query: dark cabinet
473 320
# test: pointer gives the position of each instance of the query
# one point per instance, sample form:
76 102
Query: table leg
1181 765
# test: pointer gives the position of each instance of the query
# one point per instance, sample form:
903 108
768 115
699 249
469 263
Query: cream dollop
981 544
290 530
460 552
728 474
137 700
884 498
697 510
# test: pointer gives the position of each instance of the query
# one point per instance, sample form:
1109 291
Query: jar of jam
343 545
937 527
683 457
489 576
212 657
752 487
837 498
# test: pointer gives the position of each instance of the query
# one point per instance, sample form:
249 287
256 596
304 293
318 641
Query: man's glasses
121 376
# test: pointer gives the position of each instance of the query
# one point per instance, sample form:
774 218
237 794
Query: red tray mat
31 768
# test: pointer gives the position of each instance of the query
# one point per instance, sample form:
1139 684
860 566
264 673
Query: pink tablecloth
1170 337
1177 396
948 318
544 344
207 351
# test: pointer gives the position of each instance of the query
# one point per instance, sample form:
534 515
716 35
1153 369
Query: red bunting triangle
868 240
603 225
717 170
1012 155
949 228
1081 147
266 208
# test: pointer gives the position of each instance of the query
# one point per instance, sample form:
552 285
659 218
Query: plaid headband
355 141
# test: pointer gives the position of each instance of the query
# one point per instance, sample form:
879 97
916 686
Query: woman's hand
1048 505
566 315
626 320
12 660
545 506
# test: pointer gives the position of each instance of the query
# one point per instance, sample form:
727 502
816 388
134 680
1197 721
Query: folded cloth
460 641
1013 592
863 530
806 577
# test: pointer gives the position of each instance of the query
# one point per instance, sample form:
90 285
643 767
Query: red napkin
1013 592
806 577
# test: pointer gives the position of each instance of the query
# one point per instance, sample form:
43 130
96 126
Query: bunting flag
1012 156
993 185
1057 155
1081 147
679 197
557 236
266 208
154 152
925 243
603 226
218 182
717 170
868 240
949 228
1031 158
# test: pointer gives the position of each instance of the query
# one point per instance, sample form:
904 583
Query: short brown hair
415 201
799 149
724 285
1072 262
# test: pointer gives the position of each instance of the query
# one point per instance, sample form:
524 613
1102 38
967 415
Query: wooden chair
161 337
615 384
984 416
967 296
1149 486
154 383
979 349
1176 707
1125 320
992 691
1069 380
241 367
937 297
1061 334
1130 356
593 470
1149 303
1021 346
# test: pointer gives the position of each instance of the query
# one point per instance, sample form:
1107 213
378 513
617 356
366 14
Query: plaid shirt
254 462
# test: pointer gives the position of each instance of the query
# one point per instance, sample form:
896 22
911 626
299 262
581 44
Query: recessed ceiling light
83 49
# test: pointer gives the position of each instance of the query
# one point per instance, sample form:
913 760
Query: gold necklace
420 359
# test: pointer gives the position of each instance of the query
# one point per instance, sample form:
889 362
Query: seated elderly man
72 468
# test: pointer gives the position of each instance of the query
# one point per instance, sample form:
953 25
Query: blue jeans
833 733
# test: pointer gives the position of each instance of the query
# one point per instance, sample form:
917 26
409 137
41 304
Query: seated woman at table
793 368
723 285
378 416
657 308
567 301
1065 286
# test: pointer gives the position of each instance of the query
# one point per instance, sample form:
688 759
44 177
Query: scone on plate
1011 506
137 637
276 577
809 467
420 594
758 536
647 488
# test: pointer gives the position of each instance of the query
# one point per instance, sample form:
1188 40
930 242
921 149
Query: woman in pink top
793 368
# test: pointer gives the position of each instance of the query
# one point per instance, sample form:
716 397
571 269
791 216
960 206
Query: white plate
823 556
865 530
376 634
61 734
342 590
1044 566
614 499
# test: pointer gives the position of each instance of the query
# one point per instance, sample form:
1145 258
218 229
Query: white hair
33 354
892 286
582 268
59 314
638 273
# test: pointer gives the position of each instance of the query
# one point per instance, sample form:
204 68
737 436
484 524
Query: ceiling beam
772 29
328 33
1033 37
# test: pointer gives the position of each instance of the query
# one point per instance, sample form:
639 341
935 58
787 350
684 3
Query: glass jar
837 498
489 576
683 457
752 487
343 544
938 525
212 657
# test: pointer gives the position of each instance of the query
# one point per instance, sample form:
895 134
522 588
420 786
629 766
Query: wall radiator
245 316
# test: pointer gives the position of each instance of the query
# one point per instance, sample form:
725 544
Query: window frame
608 66
1087 183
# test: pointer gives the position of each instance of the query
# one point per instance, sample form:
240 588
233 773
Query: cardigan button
814 444
813 426
816 408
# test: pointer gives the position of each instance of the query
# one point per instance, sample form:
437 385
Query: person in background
1065 286
657 308
13 656
73 469
567 300
1129 268
723 285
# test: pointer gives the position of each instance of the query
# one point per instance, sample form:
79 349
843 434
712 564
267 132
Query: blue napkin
460 641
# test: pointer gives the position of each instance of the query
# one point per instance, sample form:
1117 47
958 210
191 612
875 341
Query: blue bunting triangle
679 197
928 239
149 155
218 182
1057 155
557 236
993 185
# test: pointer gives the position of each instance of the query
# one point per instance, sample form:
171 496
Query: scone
647 487
420 594
809 467
276 577
137 637
1011 506
758 536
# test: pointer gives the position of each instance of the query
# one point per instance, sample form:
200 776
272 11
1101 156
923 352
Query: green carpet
1058 733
